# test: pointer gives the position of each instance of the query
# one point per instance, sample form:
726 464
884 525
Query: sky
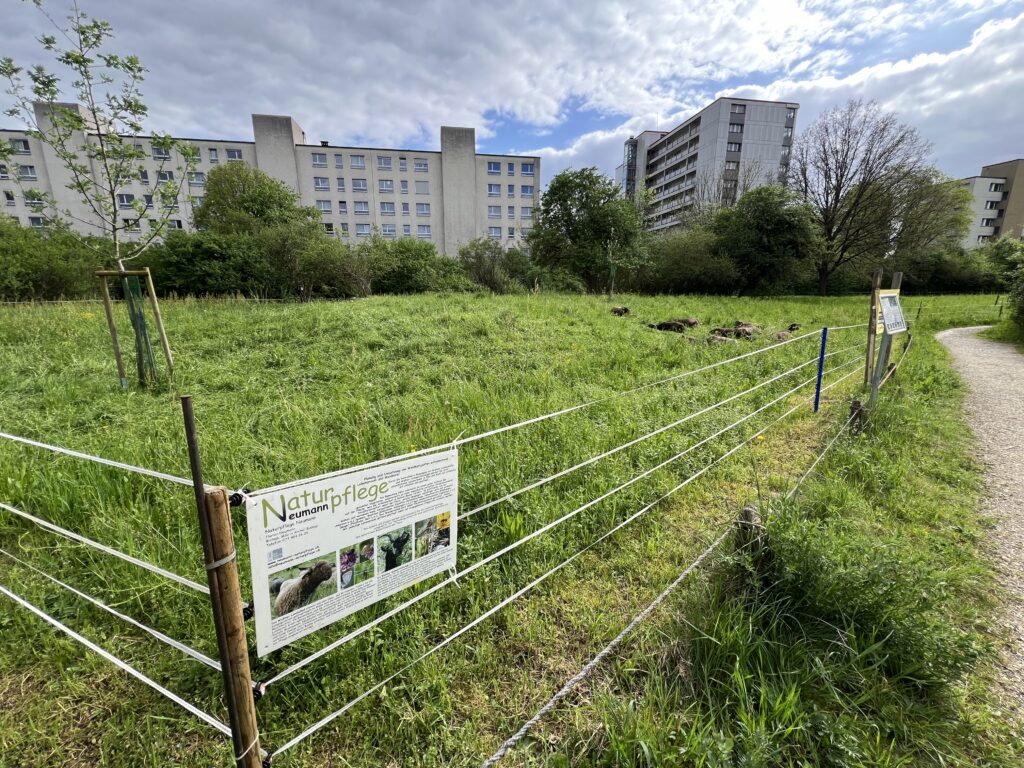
568 81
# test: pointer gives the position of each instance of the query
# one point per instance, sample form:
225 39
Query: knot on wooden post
749 530
857 416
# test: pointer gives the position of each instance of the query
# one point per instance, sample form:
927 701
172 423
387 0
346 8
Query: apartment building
996 209
729 147
448 197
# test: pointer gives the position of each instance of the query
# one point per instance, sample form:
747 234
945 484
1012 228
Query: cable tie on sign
223 561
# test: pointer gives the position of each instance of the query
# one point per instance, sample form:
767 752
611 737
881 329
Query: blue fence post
821 368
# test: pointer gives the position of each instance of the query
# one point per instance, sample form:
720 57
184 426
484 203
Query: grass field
288 391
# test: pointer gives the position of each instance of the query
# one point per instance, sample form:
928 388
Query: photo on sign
433 534
394 549
357 564
302 584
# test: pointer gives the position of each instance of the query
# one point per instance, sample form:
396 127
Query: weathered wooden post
226 599
876 285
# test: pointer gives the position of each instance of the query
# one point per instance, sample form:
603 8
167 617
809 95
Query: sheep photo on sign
302 585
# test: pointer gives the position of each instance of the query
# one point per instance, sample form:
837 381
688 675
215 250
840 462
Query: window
733 146
511 211
324 206
735 127
738 109
161 153
321 183
388 230
995 186
169 201
731 165
196 201
526 212
344 229
125 200
405 209
493 167
328 228
176 224
37 222
27 172
987 222
319 159
422 209
422 187
149 201
359 185
790 114
511 169
511 232
981 238
4 174
511 190
144 176
526 190
405 186
385 185
343 206
494 190
196 179
387 209
361 207
357 161
526 169
339 161
33 202
406 230
8 197
422 230
234 155
784 155
165 176
362 230
341 183
787 133
383 163
493 211
419 164
132 225
494 232
213 156
991 204
401 164
21 147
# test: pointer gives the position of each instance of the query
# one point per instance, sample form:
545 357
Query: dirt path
994 374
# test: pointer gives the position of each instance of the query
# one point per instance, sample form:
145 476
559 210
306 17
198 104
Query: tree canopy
240 199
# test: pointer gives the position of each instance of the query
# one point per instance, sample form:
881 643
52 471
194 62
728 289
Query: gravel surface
994 373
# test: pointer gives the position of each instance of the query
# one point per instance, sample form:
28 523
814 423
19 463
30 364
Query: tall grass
288 391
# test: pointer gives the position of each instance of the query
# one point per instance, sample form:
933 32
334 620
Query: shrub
42 265
687 261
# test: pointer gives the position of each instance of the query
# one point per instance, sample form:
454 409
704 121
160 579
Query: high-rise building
996 209
729 147
448 197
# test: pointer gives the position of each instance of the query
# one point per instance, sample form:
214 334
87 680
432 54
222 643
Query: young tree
873 192
97 139
584 227
240 199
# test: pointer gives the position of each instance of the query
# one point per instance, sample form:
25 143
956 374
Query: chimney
324 143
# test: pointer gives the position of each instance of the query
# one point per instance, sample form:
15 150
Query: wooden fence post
876 284
897 281
226 598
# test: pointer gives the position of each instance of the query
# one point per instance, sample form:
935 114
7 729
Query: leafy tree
241 199
483 260
867 178
97 140
1004 255
688 261
48 264
585 228
767 235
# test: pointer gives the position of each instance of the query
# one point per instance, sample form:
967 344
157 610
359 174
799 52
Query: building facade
729 147
997 207
448 197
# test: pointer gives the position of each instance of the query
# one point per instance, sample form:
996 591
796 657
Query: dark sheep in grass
393 548
679 325
294 593
620 311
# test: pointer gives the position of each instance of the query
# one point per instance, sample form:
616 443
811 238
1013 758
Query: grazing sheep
679 325
783 335
393 549
793 327
620 311
294 593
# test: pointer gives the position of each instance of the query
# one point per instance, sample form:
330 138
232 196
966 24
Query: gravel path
994 373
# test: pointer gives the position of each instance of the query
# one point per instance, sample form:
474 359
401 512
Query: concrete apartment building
996 210
729 147
448 197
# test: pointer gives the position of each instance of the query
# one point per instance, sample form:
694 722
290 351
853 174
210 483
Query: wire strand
188 651
108 550
191 708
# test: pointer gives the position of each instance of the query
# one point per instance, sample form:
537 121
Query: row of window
384 162
495 232
525 190
363 207
387 230
494 168
494 212
323 184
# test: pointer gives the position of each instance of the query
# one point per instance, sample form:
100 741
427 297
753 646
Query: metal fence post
821 367
226 598
876 284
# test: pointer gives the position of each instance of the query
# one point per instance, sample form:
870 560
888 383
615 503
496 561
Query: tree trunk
822 280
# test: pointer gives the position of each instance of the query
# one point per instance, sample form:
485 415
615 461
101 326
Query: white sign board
892 313
324 548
